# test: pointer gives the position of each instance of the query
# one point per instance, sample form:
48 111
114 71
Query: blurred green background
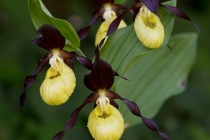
182 117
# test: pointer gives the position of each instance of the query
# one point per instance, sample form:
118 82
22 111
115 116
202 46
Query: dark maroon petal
101 43
114 25
179 13
42 62
67 57
153 126
96 52
118 7
22 100
71 122
113 95
112 102
65 54
133 107
48 37
83 60
135 8
82 33
29 80
163 136
116 74
148 122
69 63
59 135
73 119
152 5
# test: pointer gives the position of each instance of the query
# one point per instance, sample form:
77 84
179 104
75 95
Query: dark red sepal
181 14
152 5
100 77
73 119
29 80
48 37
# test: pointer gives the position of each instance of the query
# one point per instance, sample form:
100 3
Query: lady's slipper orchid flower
108 11
105 122
108 16
58 85
60 80
147 25
149 28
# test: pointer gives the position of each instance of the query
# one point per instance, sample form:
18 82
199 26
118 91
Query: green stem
79 52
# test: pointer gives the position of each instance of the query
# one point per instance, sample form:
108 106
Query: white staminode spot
102 101
109 13
55 59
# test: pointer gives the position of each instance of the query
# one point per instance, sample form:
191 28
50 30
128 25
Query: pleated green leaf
40 15
154 75
158 76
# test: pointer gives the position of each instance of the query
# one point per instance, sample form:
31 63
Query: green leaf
120 1
123 45
40 15
158 76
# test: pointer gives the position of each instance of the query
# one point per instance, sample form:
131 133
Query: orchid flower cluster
105 122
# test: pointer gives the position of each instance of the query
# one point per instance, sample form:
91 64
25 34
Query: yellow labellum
58 86
102 31
107 125
149 28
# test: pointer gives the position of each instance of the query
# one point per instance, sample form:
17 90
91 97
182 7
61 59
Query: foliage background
185 116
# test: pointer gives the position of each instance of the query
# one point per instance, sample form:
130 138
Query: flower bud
58 86
108 17
107 125
149 28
